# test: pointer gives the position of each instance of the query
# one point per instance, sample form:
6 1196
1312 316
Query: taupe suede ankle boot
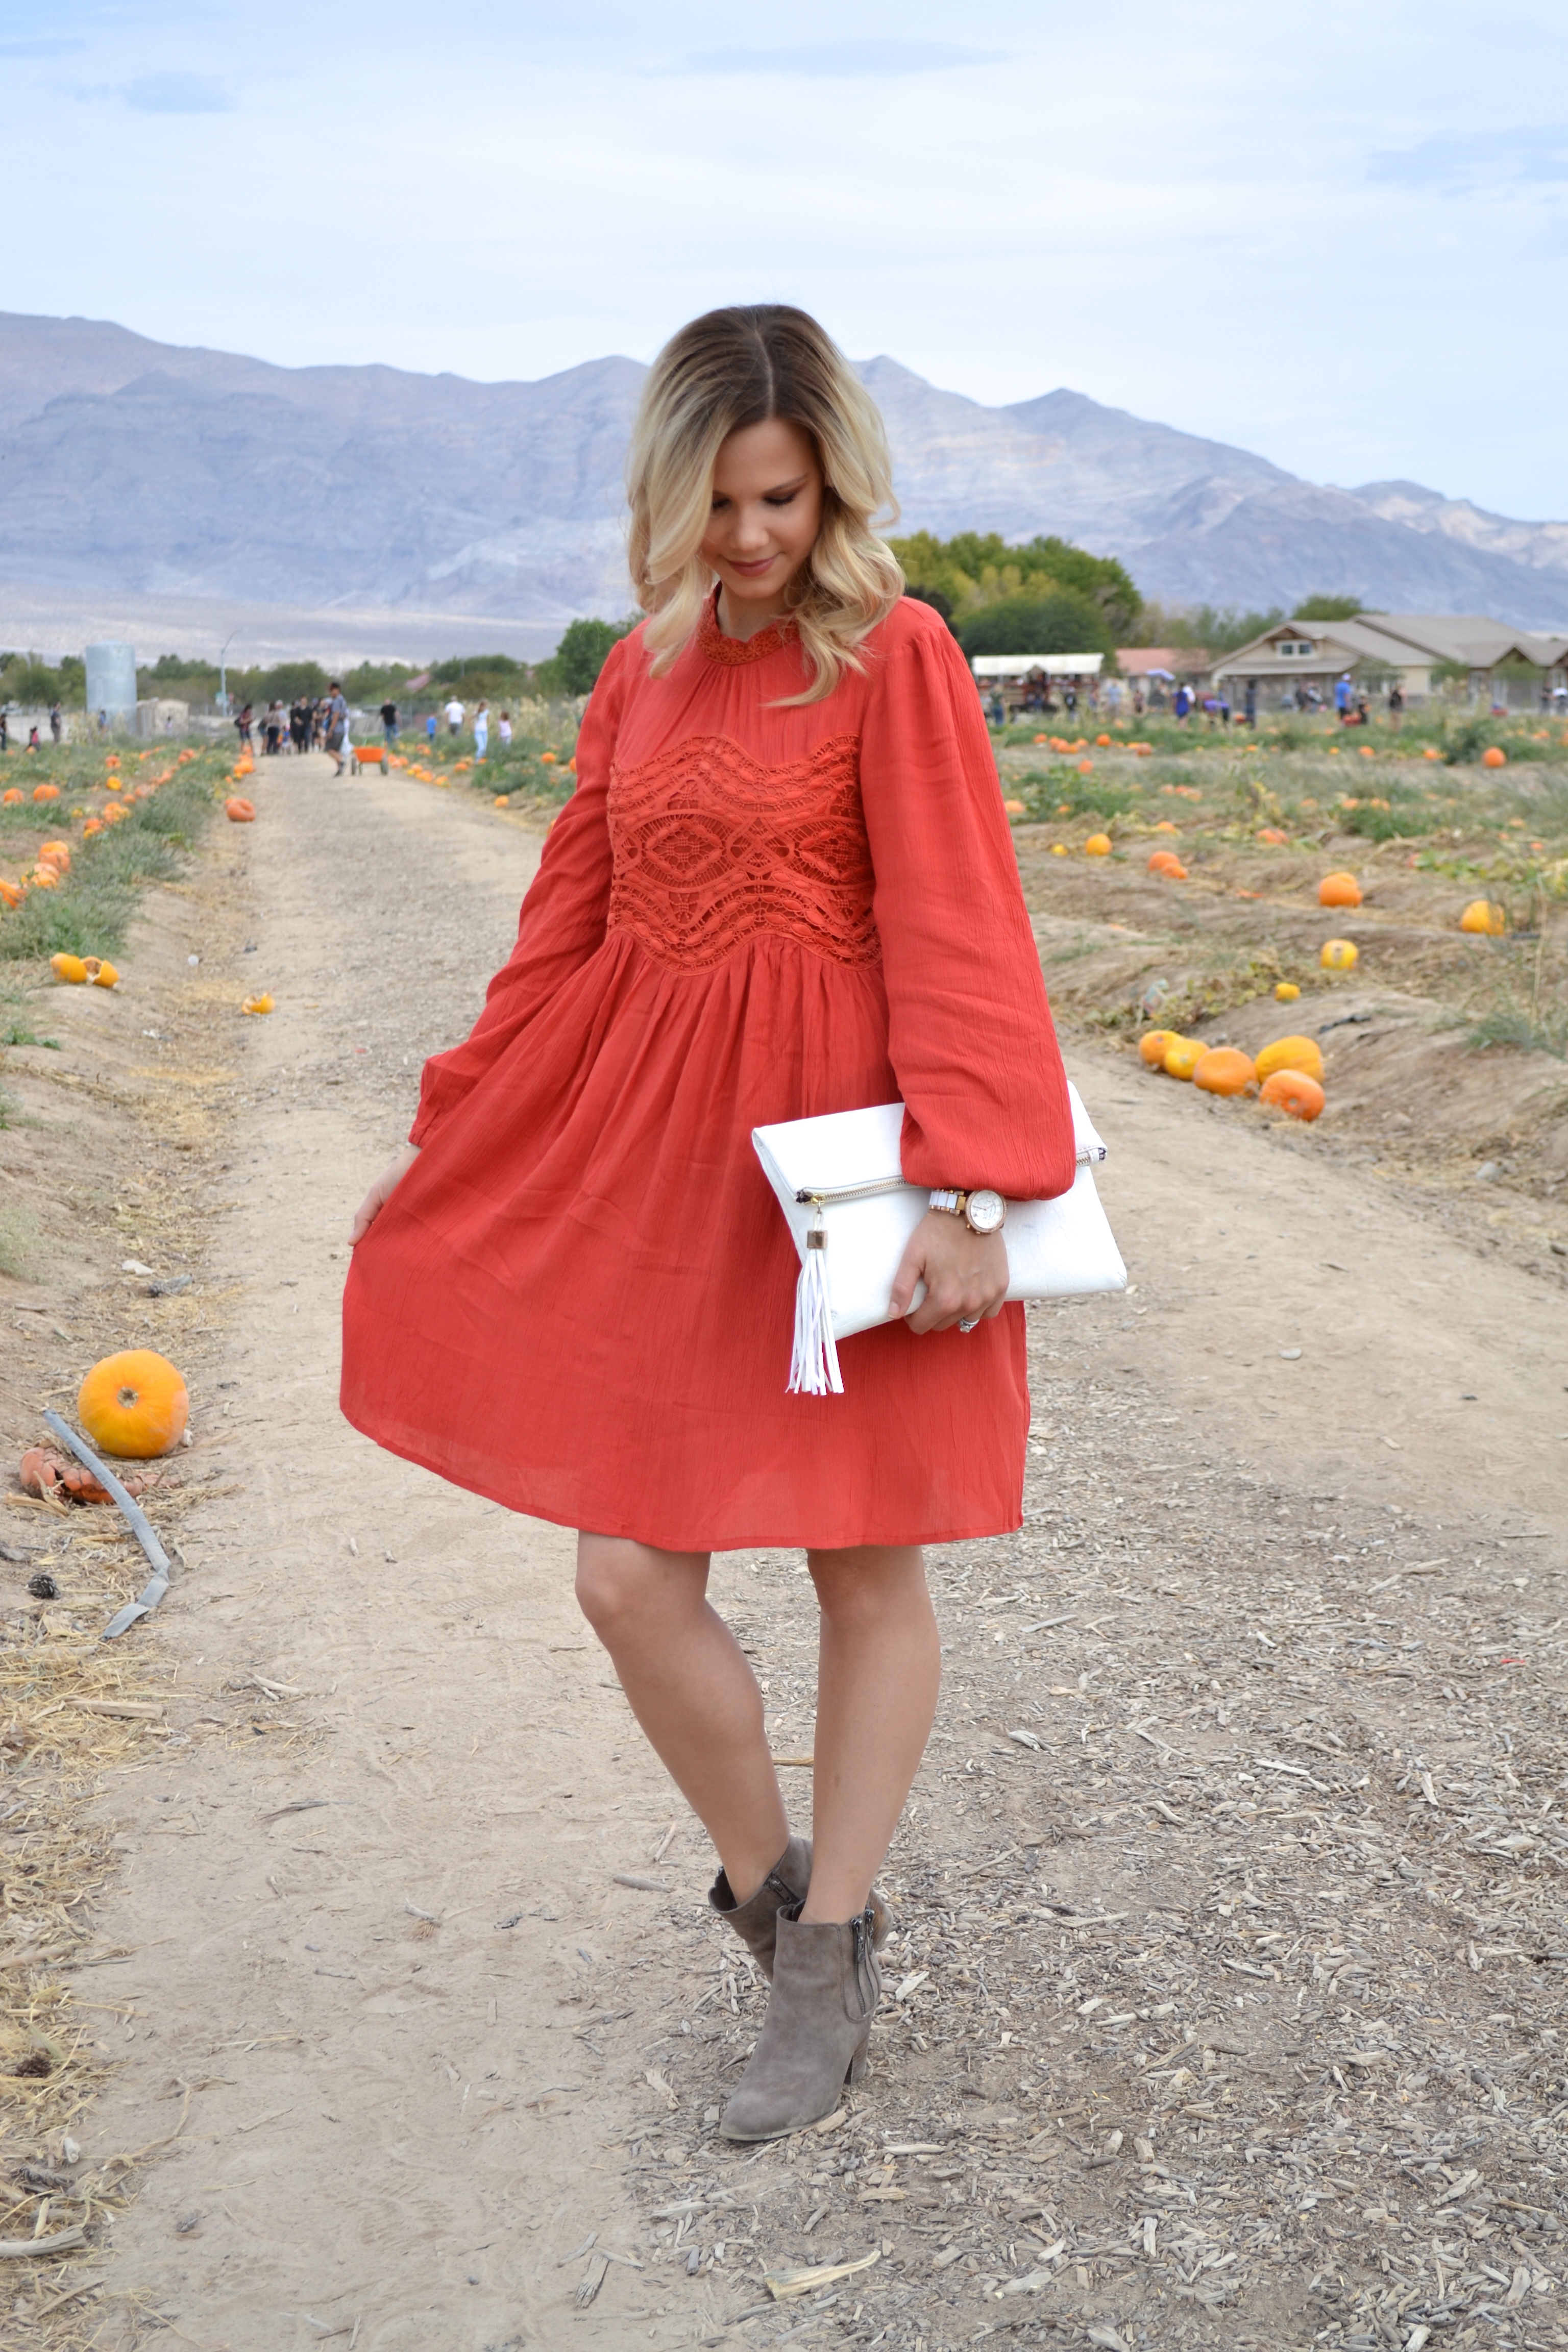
788 1882
826 1984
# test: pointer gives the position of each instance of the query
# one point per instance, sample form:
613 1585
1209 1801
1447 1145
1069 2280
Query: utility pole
223 671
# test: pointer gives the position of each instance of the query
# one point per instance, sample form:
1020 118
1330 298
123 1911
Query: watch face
987 1211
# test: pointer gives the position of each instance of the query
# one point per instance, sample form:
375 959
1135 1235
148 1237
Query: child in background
504 730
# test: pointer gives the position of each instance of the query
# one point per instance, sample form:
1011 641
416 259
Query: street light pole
223 671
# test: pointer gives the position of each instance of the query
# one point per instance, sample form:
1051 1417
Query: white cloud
176 93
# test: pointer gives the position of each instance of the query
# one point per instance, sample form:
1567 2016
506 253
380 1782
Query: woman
783 886
481 730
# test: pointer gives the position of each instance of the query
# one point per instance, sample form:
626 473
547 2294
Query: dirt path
1230 1900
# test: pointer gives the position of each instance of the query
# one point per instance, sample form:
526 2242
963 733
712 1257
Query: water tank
112 683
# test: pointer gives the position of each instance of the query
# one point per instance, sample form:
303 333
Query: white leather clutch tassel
851 1214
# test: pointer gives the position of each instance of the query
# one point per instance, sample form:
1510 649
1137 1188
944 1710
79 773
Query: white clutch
851 1213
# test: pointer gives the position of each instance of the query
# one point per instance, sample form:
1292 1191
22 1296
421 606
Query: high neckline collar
735 652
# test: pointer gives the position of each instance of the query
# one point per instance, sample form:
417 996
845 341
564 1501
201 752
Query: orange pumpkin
133 1404
1272 834
45 877
115 814
1486 916
1225 1070
57 853
102 974
1103 741
12 893
112 758
1167 862
1164 826
239 812
69 967
1290 1053
1086 767
1143 749
1014 808
1098 846
46 792
1339 890
94 825
12 794
262 1004
500 801
1494 758
1152 1043
1339 955
1294 1092
1430 754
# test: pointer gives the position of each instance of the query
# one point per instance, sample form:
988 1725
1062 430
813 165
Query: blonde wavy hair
725 370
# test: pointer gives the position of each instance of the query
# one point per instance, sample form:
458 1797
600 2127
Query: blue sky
1335 234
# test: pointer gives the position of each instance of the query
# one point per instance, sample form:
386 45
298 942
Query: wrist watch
984 1212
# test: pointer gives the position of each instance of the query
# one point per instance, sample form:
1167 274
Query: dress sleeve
971 1036
564 915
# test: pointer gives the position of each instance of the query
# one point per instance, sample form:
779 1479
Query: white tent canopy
1053 664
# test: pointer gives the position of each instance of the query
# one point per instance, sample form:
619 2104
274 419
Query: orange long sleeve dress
579 1299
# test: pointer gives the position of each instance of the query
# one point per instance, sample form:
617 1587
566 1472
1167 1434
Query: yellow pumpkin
1290 1053
1183 1055
1339 955
133 1404
262 1004
69 967
1486 916
1286 991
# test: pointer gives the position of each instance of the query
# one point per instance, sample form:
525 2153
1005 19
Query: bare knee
861 1589
625 1588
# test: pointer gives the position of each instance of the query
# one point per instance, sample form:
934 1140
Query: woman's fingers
966 1273
380 1192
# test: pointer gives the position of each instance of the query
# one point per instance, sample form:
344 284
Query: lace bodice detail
709 847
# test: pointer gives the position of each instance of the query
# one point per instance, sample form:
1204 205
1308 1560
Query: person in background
1249 702
1344 696
55 722
33 743
337 735
389 723
454 716
242 725
1184 701
4 732
272 729
1069 700
482 732
430 730
504 730
1397 703
299 723
998 707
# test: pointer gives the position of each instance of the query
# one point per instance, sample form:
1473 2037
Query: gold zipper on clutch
829 1196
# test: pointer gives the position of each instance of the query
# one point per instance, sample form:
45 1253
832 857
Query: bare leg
879 1670
691 1690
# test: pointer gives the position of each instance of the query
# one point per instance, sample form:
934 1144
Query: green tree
974 569
1327 608
1060 622
1207 629
583 650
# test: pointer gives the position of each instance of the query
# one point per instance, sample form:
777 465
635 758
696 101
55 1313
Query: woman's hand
381 1191
964 1272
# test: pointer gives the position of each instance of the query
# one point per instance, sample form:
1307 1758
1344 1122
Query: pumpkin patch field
1222 2011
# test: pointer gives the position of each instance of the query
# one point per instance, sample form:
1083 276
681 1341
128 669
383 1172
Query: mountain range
155 476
